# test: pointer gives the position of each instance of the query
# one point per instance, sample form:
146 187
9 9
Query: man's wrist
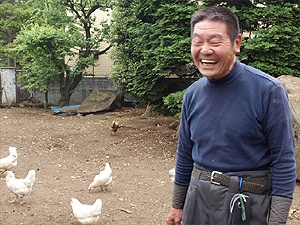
280 207
179 193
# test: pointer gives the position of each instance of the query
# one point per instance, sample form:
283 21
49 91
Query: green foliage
44 48
13 14
271 38
270 33
49 12
275 50
151 42
174 102
60 34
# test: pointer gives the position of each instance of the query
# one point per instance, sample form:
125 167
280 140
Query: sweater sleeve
279 132
184 161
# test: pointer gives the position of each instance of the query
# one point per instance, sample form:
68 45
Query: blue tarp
63 109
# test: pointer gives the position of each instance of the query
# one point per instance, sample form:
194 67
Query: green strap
243 208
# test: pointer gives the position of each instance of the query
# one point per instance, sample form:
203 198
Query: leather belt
256 185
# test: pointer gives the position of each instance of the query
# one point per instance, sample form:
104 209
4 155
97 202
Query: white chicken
172 174
10 161
103 179
86 214
20 187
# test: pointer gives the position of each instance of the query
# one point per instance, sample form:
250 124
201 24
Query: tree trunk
65 97
47 94
67 86
46 99
11 62
148 111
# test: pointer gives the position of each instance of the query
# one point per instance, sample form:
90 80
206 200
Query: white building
104 62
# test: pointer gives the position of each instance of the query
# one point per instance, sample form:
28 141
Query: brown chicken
114 127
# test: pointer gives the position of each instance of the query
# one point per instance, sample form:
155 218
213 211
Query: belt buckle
212 177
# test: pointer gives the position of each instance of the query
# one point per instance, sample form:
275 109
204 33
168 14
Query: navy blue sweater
241 122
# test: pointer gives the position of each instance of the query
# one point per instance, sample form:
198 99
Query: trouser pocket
240 210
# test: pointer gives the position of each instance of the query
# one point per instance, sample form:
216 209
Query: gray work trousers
208 203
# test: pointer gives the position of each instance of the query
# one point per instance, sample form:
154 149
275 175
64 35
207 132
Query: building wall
86 86
104 62
102 66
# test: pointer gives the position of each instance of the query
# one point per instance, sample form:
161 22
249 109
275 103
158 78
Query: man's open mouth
207 62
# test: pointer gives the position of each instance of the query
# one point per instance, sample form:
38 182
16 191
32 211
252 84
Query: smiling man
213 50
235 157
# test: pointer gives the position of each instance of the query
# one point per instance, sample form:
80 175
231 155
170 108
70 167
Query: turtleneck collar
237 68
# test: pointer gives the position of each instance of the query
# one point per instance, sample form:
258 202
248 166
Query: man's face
212 50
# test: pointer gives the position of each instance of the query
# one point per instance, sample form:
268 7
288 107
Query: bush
173 102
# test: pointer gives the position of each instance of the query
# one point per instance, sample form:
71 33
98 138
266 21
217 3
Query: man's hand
175 216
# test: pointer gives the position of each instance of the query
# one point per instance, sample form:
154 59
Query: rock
32 102
292 86
175 125
99 101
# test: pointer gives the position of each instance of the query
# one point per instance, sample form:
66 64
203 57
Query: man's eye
197 43
216 43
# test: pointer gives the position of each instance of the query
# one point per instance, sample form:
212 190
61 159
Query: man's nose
206 49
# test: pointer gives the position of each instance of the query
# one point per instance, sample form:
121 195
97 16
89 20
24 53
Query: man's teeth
206 62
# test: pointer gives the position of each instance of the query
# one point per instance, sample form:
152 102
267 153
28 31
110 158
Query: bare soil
68 151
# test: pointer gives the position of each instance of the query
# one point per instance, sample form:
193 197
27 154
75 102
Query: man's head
218 14
215 41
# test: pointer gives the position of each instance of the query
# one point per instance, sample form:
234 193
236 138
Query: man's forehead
212 28
208 24
210 35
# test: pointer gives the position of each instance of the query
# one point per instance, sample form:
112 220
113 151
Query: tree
12 15
271 34
151 42
84 40
45 48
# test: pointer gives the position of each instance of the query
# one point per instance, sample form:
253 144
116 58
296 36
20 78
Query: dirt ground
68 151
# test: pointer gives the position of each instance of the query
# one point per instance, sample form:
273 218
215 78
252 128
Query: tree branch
102 51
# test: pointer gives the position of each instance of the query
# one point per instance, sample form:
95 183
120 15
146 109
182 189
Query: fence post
8 86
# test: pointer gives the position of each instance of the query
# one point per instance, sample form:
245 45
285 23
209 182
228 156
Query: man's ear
237 43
